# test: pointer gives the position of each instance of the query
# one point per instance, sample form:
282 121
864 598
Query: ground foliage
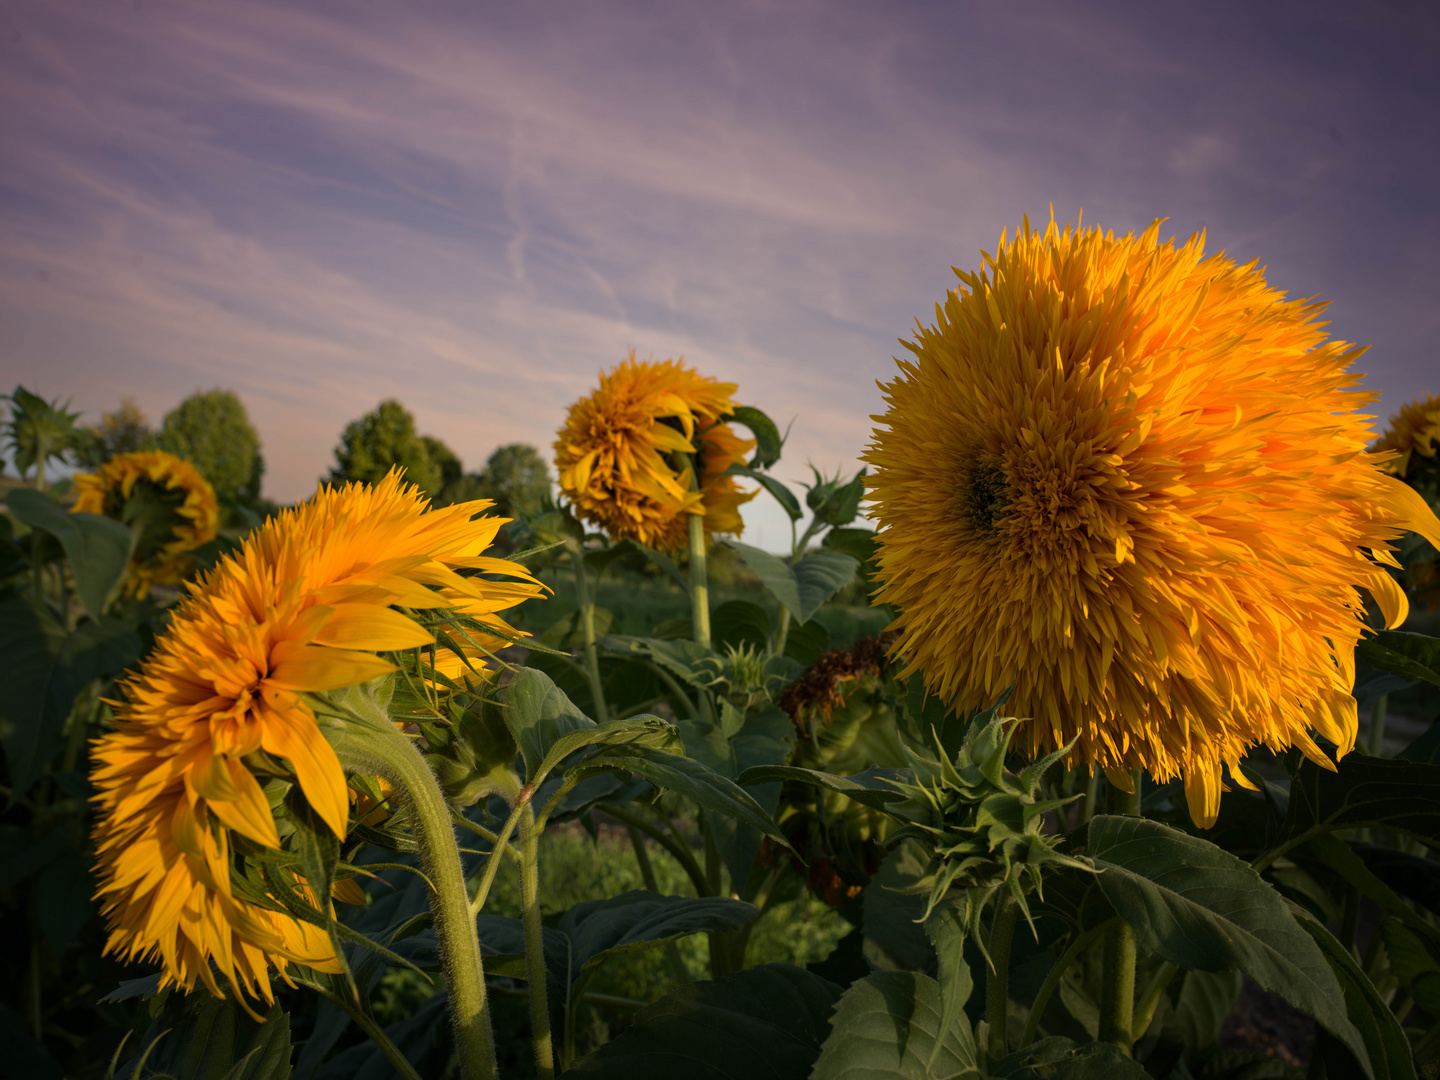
761 855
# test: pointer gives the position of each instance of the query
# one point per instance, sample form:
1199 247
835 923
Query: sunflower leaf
1387 1051
765 1021
1411 656
1202 909
694 780
872 787
98 548
768 441
1362 792
887 1024
801 588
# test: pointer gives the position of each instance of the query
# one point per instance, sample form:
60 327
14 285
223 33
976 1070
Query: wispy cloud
475 209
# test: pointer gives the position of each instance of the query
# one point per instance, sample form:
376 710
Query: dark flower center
984 497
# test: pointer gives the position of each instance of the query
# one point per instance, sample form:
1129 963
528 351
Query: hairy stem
587 627
997 987
1117 994
374 745
535 944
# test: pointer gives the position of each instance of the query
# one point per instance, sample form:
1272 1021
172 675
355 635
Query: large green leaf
895 939
821 574
872 787
1386 1054
801 588
765 1023
538 713
692 779
806 641
1203 909
768 440
42 670
764 738
1205 1002
98 548
1411 656
738 623
693 663
886 1026
1362 792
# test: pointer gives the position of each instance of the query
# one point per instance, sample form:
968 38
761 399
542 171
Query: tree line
212 430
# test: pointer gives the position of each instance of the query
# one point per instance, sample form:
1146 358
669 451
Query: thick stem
1117 995
383 749
587 627
782 632
535 944
997 987
647 875
699 581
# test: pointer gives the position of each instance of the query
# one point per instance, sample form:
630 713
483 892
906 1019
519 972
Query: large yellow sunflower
304 606
166 499
616 454
1130 480
1415 429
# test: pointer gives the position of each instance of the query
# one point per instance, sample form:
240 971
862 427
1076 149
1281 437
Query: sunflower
1130 481
1415 429
303 606
171 507
616 454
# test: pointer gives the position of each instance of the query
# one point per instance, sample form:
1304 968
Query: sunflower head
167 503
627 454
1412 439
223 704
1130 481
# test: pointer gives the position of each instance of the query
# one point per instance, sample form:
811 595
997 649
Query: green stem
997 987
719 939
1117 995
1092 795
1145 1010
587 626
374 745
783 631
1377 725
535 944
647 874
1052 980
699 581
492 866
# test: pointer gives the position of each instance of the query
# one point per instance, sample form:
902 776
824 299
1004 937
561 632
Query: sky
475 207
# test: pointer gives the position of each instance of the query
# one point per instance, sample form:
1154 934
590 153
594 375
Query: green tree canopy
212 431
517 478
386 437
123 431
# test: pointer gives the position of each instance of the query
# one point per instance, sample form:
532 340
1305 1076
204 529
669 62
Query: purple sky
473 207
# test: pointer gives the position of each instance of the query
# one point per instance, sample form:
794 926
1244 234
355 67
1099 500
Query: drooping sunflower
305 605
1131 481
1415 429
166 500
619 453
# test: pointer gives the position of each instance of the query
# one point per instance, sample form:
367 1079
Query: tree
212 431
384 438
517 478
444 459
123 431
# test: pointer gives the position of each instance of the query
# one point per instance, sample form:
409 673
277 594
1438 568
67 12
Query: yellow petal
1121 779
1202 792
246 811
1389 596
348 891
293 735
1410 508
372 627
313 667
